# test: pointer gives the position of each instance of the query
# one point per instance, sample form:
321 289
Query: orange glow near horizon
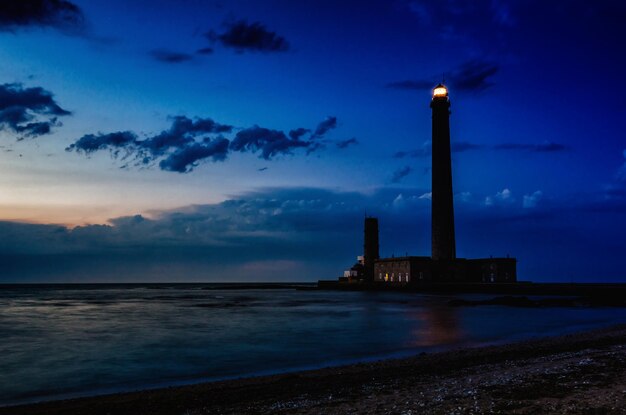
64 215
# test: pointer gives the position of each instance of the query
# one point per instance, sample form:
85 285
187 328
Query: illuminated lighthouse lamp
440 91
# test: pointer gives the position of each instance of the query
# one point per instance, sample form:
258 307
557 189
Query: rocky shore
583 373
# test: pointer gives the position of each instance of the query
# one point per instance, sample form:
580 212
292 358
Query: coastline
574 373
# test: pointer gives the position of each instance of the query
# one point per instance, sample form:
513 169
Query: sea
61 341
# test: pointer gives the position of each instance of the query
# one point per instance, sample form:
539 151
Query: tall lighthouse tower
443 243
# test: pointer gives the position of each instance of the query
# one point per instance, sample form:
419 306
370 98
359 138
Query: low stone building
403 269
422 269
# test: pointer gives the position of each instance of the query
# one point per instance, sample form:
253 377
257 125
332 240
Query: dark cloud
244 36
183 132
35 99
60 14
462 146
471 76
426 149
298 133
325 126
204 51
92 142
269 142
185 159
168 56
188 142
185 143
546 147
30 112
347 143
400 174
315 146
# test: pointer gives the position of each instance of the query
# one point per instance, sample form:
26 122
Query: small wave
176 297
219 305
302 303
323 313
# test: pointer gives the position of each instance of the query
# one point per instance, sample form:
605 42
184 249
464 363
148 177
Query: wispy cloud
426 149
463 146
423 151
205 51
545 147
400 174
347 143
324 127
472 76
255 37
168 56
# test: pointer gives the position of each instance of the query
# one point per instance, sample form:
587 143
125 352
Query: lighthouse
443 243
442 266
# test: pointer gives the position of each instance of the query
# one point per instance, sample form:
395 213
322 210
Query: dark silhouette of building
370 247
363 269
422 269
443 266
443 244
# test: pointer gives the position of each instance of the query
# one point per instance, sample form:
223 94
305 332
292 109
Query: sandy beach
579 374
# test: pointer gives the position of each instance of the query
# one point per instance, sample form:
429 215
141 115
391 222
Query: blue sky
181 112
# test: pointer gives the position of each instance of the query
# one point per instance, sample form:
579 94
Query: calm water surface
73 341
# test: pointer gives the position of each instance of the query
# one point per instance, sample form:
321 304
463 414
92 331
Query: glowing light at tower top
440 91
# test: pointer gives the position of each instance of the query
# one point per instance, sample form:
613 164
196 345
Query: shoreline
600 291
496 378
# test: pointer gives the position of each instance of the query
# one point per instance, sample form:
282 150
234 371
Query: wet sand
583 373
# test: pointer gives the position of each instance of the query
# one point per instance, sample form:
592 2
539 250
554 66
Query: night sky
198 140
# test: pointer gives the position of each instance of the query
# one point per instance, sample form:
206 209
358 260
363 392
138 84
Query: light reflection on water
436 325
68 341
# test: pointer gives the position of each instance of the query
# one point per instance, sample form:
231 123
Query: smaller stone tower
370 247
